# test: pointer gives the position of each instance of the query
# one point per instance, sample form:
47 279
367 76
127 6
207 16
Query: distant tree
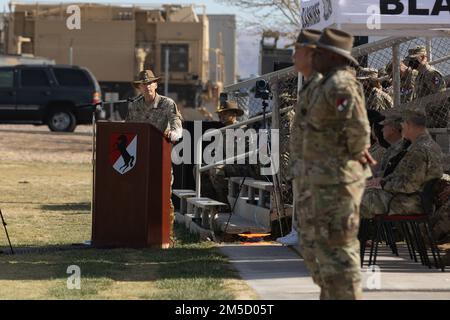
283 16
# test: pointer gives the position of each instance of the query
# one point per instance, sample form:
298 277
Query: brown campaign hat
308 38
145 76
337 41
230 106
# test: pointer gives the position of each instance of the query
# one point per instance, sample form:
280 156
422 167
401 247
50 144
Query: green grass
49 204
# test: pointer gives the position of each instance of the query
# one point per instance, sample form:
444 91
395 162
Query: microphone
139 97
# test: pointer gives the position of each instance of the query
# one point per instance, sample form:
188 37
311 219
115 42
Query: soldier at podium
160 111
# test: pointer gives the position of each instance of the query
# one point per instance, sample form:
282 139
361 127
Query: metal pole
6 231
295 192
166 74
111 111
198 134
276 175
396 73
429 53
198 184
71 52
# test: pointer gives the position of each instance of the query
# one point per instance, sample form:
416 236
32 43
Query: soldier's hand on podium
168 136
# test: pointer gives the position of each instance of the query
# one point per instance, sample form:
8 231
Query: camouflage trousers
305 227
219 184
378 201
336 212
440 224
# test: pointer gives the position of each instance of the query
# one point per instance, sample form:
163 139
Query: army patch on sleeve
341 104
436 81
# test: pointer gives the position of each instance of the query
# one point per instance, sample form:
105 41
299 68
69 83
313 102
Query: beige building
115 42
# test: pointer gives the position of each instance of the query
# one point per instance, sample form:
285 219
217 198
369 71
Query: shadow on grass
189 259
79 208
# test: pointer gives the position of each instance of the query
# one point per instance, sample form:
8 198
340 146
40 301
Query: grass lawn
48 204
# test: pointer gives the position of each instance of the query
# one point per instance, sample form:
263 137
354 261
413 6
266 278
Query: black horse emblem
121 145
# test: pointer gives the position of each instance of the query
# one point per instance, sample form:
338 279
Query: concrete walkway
277 272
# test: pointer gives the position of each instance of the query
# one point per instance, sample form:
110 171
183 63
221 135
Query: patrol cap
308 38
416 52
230 106
393 120
145 76
367 73
416 116
337 41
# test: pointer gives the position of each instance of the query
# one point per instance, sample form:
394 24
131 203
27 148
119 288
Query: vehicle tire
61 120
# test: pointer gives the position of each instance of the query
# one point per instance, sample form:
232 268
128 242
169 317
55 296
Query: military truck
115 42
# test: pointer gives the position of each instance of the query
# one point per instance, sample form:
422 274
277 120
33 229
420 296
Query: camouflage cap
308 38
394 120
145 76
367 73
416 52
415 115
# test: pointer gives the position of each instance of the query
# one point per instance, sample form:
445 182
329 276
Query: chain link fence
377 55
433 100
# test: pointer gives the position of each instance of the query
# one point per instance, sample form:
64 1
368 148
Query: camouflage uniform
407 81
303 205
430 81
377 152
163 114
390 152
218 175
379 100
337 132
421 163
440 220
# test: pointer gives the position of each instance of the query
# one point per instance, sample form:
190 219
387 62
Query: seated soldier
398 192
228 114
378 145
392 133
440 220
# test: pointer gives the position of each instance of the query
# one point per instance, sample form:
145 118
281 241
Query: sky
248 46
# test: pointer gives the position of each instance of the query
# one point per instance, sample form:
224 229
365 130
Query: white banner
318 14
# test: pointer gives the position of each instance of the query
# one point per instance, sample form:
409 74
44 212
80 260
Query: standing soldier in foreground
304 49
159 111
336 140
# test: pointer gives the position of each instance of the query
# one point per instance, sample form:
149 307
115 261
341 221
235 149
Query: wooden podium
131 186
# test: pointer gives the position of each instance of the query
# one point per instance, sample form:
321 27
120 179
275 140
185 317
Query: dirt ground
38 143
